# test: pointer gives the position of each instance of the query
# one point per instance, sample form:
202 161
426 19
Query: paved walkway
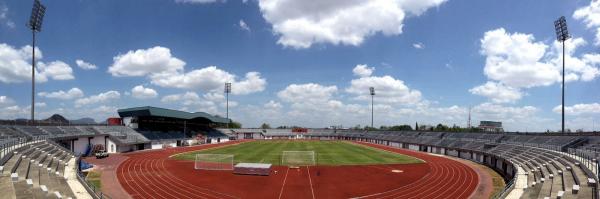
108 169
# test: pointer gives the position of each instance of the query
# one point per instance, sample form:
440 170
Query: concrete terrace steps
40 169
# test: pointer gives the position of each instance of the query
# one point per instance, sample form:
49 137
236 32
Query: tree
265 126
235 125
403 127
441 127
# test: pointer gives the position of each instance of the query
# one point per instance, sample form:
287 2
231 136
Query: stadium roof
163 112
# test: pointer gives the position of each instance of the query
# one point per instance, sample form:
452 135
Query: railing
94 191
507 189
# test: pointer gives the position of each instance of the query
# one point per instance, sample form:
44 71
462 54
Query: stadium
153 154
347 79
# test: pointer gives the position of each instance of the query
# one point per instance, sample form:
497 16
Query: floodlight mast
372 92
562 34
227 91
35 24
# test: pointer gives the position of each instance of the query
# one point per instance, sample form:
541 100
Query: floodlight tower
372 92
562 34
227 91
35 24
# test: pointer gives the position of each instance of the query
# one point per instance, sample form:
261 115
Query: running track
151 174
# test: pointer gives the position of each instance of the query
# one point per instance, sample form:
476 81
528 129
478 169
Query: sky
308 63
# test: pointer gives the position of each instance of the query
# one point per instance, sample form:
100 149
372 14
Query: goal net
214 162
298 158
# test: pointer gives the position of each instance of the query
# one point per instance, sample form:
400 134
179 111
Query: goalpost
298 158
214 162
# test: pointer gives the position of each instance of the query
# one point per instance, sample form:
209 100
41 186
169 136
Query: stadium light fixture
372 92
35 24
562 34
227 91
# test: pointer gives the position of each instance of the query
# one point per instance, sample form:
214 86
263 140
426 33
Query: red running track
152 174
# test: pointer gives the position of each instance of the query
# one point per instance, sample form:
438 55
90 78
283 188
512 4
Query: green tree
265 126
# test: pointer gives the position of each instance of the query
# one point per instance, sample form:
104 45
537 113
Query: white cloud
387 90
188 98
164 70
584 68
5 101
496 112
515 60
151 61
212 79
100 98
273 105
579 109
243 25
418 45
57 70
4 17
590 15
15 66
85 65
300 24
497 92
70 94
306 93
363 70
140 92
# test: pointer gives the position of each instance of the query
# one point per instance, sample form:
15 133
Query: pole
372 111
33 80
563 88
227 107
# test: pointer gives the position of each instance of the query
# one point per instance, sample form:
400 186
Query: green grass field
327 152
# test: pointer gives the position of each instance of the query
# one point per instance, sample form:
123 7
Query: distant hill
85 120
56 119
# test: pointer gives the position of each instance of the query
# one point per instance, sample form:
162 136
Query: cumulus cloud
243 25
590 15
497 92
140 92
85 65
73 93
579 109
212 79
56 70
164 70
516 61
584 68
141 62
15 66
300 24
387 90
363 70
192 99
497 112
99 98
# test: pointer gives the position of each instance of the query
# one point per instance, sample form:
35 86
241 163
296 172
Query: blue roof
163 112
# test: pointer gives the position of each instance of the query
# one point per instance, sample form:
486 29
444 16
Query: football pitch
326 152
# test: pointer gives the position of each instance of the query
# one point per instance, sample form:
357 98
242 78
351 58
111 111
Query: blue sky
307 63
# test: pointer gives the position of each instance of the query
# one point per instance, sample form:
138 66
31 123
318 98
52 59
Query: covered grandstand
167 127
